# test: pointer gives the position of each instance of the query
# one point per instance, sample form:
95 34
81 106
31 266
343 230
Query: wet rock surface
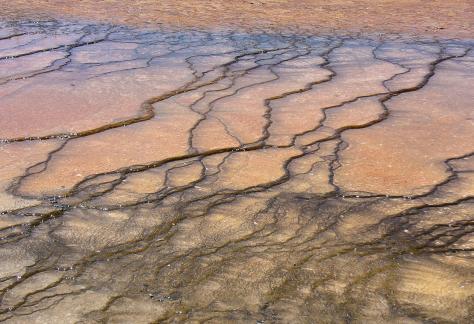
168 176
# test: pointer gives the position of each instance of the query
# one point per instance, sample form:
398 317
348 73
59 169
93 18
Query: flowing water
159 175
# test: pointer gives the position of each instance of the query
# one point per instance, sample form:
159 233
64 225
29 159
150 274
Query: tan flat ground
454 18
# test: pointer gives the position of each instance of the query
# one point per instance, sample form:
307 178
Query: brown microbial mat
162 175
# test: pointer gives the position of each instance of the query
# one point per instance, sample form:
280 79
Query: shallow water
165 176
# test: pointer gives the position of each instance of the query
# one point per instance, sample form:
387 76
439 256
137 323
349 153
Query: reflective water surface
170 176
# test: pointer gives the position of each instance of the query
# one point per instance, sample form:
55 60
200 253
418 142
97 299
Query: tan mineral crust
236 161
453 18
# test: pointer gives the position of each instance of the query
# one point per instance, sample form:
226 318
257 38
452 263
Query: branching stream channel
195 176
